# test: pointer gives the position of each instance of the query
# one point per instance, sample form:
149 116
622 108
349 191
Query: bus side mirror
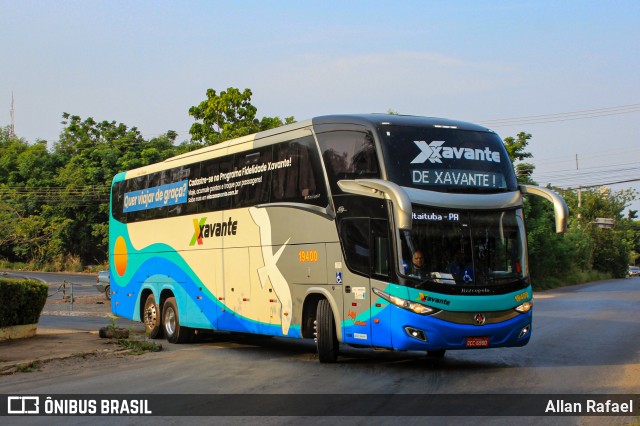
559 206
383 189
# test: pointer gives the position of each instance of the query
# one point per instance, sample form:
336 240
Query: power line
563 116
604 184
85 196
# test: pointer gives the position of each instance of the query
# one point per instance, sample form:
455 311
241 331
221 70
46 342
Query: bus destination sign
461 178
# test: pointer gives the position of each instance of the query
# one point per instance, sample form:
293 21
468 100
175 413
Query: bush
21 301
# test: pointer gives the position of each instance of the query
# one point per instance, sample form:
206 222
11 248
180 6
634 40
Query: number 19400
308 255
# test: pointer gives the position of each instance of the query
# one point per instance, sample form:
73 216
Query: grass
28 368
138 346
135 345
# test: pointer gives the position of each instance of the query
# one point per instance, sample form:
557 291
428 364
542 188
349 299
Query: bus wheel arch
309 312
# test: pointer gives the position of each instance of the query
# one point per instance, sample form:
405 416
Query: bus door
366 248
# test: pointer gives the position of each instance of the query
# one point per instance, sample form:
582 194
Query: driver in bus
418 268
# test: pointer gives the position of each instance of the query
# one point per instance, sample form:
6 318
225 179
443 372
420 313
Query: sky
567 72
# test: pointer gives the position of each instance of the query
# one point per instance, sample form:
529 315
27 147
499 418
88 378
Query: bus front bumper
427 333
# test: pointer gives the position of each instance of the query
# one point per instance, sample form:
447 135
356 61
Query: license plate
477 342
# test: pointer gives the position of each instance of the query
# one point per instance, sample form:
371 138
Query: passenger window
255 180
381 255
355 239
348 155
297 173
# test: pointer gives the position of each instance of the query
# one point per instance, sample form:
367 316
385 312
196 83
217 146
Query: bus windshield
464 248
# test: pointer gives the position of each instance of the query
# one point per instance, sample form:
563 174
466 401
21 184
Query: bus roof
395 119
372 120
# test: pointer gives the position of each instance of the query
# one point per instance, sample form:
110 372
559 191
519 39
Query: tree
228 115
516 151
92 153
611 249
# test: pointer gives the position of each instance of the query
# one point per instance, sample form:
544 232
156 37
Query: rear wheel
151 318
326 338
174 332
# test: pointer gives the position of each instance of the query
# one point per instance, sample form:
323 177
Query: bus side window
212 168
355 241
294 177
257 192
117 202
348 155
381 255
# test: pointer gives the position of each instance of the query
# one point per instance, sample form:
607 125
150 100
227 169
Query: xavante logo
435 152
201 229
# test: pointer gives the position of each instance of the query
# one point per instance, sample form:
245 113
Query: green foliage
54 205
228 115
224 115
29 367
139 345
585 251
610 250
21 301
516 150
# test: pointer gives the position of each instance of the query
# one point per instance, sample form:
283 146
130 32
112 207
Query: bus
310 231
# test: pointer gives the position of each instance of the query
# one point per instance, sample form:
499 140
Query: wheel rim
170 321
151 316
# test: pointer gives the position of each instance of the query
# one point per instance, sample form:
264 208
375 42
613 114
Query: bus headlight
525 307
414 307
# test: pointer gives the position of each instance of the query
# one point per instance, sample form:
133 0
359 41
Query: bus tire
151 318
326 338
173 331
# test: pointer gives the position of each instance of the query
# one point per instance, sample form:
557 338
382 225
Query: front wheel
326 338
174 332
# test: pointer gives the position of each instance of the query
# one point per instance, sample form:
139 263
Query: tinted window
348 155
355 241
286 172
297 174
366 246
255 189
381 256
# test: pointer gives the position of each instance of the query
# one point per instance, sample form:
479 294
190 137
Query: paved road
83 284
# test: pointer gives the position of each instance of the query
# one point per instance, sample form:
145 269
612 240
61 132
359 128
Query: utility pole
12 114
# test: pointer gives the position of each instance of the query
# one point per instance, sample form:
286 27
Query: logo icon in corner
429 152
479 319
23 405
